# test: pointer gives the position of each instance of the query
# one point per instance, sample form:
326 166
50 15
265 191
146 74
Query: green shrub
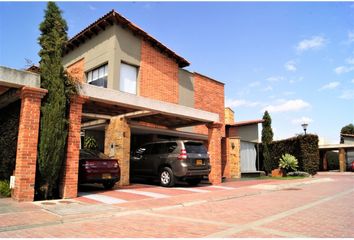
288 162
90 143
5 190
303 147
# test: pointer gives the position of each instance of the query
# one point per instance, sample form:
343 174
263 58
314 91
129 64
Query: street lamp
304 126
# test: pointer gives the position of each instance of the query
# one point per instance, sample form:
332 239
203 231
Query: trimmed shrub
5 190
9 121
303 147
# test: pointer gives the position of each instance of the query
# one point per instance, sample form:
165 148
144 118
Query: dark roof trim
347 135
211 79
112 18
243 123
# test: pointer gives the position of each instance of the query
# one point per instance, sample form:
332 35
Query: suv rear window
195 147
163 148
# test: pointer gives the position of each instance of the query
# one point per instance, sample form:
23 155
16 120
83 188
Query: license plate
106 176
198 162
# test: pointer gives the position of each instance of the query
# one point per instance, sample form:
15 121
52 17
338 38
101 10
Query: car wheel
108 185
194 181
166 177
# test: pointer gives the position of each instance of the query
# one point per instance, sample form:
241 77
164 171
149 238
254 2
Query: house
244 134
133 89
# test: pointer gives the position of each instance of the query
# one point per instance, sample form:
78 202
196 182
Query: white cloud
290 66
254 84
344 69
267 89
301 120
350 36
315 42
240 103
347 94
275 78
92 8
287 93
330 85
288 106
299 79
353 80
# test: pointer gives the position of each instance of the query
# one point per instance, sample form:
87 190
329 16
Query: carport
342 152
122 115
23 87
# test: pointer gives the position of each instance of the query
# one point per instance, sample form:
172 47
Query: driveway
322 206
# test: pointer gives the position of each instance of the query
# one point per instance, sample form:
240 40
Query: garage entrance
121 122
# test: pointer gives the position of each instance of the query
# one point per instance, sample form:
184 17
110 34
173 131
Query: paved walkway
314 207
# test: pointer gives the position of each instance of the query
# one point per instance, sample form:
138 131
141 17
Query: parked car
170 161
95 167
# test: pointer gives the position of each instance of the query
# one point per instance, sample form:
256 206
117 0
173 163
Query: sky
294 59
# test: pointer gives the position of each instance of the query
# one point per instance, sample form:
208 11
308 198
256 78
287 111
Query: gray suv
170 161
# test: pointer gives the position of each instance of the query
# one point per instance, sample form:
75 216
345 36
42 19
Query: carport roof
112 103
336 146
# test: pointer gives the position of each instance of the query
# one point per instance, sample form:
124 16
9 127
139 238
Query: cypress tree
267 137
53 126
267 132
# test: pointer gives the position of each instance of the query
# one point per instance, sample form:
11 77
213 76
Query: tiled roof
112 18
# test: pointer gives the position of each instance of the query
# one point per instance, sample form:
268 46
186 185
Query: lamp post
304 126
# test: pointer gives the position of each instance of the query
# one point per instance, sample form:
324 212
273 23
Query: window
128 76
98 76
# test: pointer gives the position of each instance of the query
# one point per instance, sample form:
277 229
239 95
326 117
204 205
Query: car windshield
89 154
195 147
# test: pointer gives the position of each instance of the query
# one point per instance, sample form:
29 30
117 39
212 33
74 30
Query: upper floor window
128 78
98 76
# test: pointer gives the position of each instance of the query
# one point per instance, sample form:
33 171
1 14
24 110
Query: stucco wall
246 133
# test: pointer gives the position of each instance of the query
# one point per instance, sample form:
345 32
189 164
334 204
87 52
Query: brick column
342 165
26 155
214 148
117 145
69 179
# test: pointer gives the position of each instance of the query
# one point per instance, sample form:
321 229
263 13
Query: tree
348 129
267 137
267 132
53 124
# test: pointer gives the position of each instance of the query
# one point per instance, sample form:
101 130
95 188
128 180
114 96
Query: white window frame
97 74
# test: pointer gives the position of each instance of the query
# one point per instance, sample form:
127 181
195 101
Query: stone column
234 157
69 178
117 145
214 148
342 165
26 155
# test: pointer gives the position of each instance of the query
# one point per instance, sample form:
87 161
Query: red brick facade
26 155
76 70
158 75
69 180
208 96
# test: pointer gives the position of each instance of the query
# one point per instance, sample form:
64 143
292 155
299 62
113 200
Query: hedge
303 147
9 120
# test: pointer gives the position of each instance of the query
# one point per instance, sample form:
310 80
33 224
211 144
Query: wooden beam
9 97
187 125
136 114
96 116
93 123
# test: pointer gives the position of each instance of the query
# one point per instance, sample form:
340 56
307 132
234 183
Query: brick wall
158 75
69 179
209 96
76 70
26 155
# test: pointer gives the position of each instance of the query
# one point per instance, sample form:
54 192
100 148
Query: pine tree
53 126
267 137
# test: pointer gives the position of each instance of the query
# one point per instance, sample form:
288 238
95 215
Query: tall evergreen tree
53 127
267 132
267 137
